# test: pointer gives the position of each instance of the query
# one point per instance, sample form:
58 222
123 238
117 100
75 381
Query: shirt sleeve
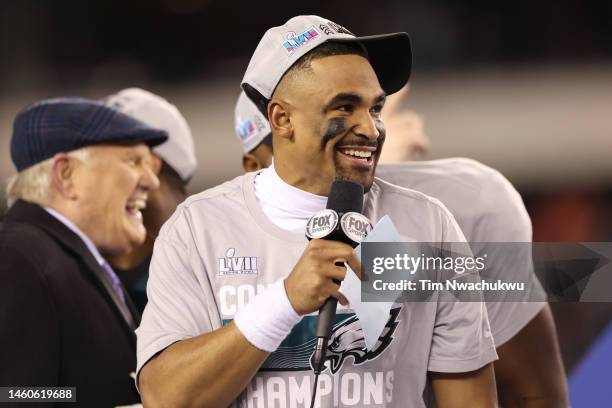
462 339
28 318
504 219
181 303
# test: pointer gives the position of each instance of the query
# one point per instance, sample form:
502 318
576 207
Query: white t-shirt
489 210
219 250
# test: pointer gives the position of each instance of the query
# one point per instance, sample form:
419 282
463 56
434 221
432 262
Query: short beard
337 126
349 176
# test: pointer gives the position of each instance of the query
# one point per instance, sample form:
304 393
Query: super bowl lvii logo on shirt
237 265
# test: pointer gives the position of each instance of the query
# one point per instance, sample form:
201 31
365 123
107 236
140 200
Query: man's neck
285 205
66 219
69 211
308 183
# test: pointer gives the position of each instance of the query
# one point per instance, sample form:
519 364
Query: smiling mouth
363 156
135 206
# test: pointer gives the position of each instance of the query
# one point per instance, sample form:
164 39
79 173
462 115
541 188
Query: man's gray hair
32 184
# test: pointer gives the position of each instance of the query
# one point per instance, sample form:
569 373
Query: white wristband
268 318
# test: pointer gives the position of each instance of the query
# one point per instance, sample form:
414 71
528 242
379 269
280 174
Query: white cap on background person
250 124
178 151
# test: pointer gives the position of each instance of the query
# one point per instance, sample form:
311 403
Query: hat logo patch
330 28
293 41
246 129
339 29
249 128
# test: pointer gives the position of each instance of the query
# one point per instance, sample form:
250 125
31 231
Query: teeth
137 204
357 153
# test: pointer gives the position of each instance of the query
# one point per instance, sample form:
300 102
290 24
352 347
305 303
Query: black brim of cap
391 57
154 138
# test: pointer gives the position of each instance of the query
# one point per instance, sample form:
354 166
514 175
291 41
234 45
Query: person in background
529 372
84 175
406 137
176 163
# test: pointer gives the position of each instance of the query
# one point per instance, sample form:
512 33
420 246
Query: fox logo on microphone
321 224
356 226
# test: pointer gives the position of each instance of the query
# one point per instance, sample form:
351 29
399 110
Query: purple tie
114 279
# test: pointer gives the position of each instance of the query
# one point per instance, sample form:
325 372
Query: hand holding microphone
317 275
315 280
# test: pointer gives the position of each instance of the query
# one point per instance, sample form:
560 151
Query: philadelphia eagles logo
347 340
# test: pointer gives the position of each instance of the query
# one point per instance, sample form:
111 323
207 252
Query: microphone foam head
345 196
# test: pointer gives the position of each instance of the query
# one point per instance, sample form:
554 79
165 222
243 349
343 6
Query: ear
279 116
250 162
62 174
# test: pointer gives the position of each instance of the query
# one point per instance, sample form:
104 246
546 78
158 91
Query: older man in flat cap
84 173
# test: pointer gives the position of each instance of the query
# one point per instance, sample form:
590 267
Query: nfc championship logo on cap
321 224
356 226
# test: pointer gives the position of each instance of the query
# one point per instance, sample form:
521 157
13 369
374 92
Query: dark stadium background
524 86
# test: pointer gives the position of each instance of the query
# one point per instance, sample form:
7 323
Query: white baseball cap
280 47
250 124
178 151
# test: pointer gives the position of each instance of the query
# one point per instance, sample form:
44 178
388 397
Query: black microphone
341 221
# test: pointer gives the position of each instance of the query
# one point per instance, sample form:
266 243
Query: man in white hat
176 163
234 282
406 138
488 209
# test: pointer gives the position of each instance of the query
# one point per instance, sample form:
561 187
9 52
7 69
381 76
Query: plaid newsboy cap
57 125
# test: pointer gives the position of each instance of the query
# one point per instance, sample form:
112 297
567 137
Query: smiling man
234 284
334 142
84 175
523 328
